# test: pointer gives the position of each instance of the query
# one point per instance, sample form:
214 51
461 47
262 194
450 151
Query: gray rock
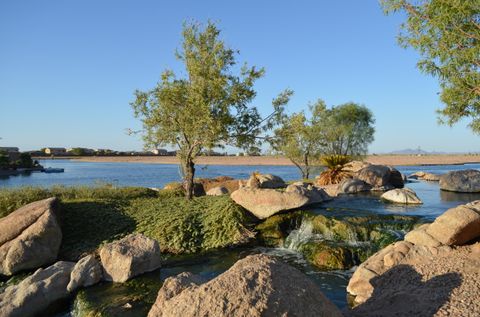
30 237
402 196
131 256
353 186
36 292
86 272
465 181
257 285
381 177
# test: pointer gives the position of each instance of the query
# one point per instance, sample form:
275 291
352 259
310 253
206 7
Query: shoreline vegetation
395 160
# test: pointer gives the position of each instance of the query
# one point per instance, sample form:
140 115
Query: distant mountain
415 152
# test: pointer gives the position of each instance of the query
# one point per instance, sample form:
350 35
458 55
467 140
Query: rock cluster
30 237
425 176
455 227
257 285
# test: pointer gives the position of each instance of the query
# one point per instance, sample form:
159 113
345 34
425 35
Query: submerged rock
36 292
257 285
430 177
29 237
131 256
402 196
465 181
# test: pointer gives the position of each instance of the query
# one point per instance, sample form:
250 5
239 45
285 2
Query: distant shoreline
395 160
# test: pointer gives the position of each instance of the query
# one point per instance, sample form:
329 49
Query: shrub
334 172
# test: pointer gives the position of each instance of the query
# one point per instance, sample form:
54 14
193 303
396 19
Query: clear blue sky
68 68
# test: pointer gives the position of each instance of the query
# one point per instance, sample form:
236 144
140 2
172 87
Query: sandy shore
394 160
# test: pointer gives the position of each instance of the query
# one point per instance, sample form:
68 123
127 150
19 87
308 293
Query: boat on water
53 170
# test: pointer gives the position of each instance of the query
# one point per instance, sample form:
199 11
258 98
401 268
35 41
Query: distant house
160 152
8 149
55 151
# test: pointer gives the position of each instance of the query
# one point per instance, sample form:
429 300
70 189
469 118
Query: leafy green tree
4 160
346 129
207 108
297 138
78 151
447 35
25 160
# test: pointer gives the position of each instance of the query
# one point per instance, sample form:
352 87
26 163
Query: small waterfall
352 238
299 236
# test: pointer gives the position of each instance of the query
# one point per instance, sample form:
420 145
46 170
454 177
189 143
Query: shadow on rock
401 292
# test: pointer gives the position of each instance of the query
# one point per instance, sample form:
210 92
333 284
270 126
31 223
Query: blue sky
68 68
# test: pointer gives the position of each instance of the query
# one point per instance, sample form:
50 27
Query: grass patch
92 216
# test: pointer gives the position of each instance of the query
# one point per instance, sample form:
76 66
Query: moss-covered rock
273 230
328 256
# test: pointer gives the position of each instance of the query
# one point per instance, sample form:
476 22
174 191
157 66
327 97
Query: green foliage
334 172
447 35
78 151
346 129
14 198
207 108
25 160
184 226
4 160
298 139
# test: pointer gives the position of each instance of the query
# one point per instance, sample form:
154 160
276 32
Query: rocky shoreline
432 271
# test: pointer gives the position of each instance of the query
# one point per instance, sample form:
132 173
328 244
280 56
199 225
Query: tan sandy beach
274 160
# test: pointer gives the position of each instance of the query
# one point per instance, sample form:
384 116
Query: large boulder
353 186
402 196
465 181
266 181
257 285
36 292
86 272
30 237
131 256
264 203
354 167
381 177
457 225
419 236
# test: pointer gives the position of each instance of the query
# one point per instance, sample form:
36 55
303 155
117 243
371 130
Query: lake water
332 283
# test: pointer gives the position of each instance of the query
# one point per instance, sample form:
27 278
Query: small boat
53 170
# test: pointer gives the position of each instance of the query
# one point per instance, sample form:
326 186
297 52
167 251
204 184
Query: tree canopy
344 130
447 35
209 106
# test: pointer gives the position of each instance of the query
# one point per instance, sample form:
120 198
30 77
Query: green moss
327 256
273 230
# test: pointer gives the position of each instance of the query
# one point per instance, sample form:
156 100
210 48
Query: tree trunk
189 173
306 173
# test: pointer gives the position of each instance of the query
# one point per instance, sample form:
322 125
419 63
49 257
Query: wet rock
131 256
86 272
328 256
353 186
217 191
381 177
29 237
257 285
430 177
36 292
402 196
457 225
465 181
266 181
264 203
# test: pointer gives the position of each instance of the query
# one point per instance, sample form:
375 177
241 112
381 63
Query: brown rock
217 191
419 236
457 225
86 272
465 181
258 285
266 181
29 237
402 196
131 256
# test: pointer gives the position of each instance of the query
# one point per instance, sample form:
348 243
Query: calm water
332 283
